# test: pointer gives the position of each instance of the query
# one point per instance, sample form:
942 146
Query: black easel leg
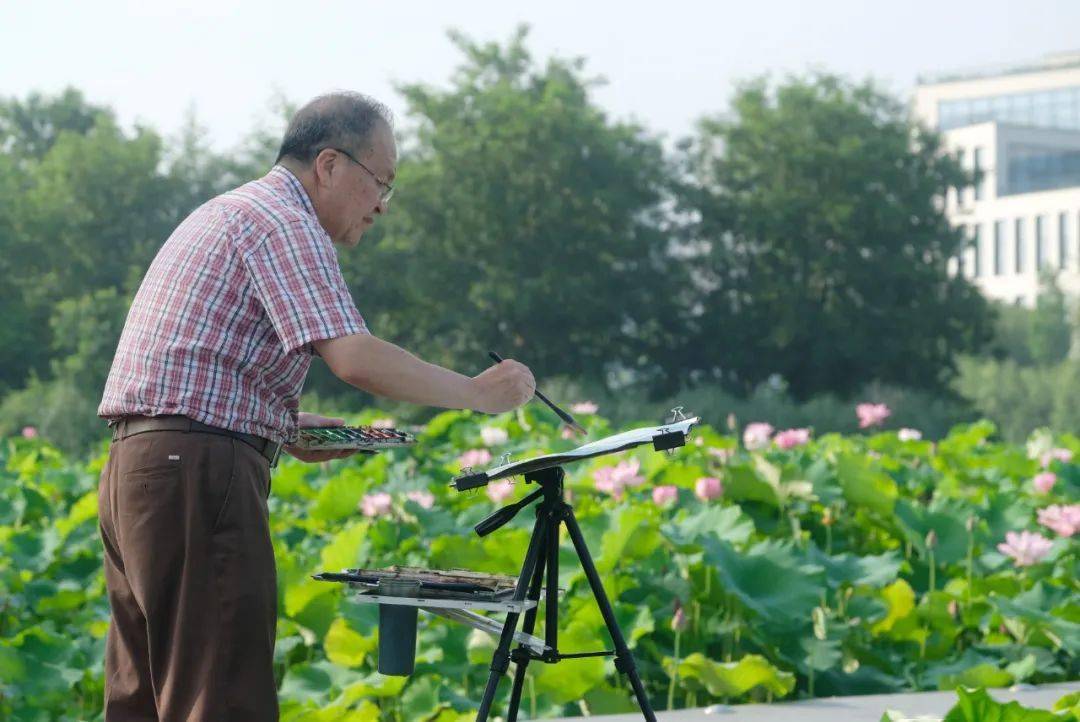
500 662
521 663
624 661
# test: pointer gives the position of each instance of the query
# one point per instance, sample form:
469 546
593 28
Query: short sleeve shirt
222 325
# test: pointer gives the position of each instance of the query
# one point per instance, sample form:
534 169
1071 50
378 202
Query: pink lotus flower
664 495
424 498
872 414
909 434
377 504
756 435
584 407
474 458
382 424
493 436
499 490
613 479
29 432
1044 482
708 487
790 438
1062 455
566 433
1065 520
1025 548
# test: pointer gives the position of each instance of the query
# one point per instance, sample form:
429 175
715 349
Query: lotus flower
756 435
708 488
1062 455
584 407
1044 482
909 434
613 479
872 414
1065 520
566 433
664 495
424 498
1025 548
499 490
790 438
382 424
474 457
493 436
29 432
377 504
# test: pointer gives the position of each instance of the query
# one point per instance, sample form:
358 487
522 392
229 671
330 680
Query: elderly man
203 393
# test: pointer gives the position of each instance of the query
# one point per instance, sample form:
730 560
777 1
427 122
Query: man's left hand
308 421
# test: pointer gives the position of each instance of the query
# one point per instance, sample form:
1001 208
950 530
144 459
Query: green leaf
978 706
733 679
754 577
865 486
340 497
727 523
346 647
633 535
900 600
346 548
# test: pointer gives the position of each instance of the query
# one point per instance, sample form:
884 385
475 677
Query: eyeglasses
386 190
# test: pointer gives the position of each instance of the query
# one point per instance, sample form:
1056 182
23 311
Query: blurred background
771 211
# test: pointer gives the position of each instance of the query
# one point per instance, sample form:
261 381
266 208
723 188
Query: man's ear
324 166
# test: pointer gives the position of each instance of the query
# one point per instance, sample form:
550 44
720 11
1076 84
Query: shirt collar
283 179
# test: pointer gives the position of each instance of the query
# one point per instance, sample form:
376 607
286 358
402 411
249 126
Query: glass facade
1038 168
1056 108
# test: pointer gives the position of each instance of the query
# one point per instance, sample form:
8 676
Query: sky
666 64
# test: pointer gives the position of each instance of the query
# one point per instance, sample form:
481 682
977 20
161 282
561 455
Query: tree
1050 333
526 222
820 245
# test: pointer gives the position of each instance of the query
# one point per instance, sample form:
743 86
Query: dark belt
132 425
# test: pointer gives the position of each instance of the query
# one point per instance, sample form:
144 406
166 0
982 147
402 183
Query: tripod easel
542 557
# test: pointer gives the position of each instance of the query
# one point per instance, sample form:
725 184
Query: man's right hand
502 387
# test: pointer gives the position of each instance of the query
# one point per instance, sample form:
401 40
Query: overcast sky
666 63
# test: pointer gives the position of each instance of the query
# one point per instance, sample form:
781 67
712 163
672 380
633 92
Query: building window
1040 245
1063 241
1057 108
976 162
976 260
999 247
1018 237
960 190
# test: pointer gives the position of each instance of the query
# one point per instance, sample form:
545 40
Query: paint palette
363 438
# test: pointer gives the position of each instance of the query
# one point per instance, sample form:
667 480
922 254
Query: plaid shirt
221 327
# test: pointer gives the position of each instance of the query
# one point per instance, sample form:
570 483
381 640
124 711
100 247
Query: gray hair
342 120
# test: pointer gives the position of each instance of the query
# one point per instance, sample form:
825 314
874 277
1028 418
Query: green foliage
815 589
820 244
530 222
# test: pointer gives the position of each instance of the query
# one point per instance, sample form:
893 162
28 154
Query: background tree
822 245
526 221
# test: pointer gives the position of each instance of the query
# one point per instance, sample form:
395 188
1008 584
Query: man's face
361 187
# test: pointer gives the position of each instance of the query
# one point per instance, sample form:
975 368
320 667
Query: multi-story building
1020 127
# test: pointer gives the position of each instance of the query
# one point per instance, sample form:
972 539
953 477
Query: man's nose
382 206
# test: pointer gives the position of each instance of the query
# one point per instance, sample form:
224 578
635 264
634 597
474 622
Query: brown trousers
189 569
